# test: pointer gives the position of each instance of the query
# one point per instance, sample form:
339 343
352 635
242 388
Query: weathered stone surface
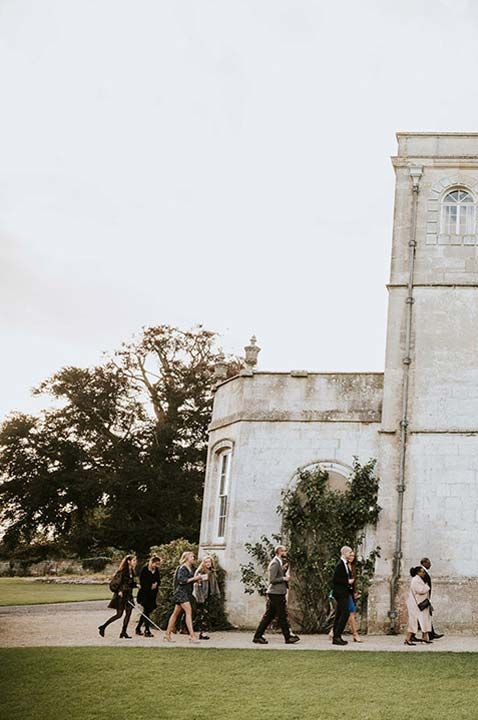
276 422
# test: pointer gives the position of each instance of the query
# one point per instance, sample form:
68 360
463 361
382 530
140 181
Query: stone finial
251 351
220 368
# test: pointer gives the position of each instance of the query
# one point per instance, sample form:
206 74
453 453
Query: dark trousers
145 620
342 613
276 607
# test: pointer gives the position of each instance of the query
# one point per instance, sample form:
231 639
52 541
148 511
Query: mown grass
189 684
20 591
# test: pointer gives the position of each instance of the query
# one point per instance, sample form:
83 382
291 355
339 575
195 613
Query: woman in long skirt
418 606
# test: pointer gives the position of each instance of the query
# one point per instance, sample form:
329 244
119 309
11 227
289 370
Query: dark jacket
340 583
121 582
146 595
427 579
182 589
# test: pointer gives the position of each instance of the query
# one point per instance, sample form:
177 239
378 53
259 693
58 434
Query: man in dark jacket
342 586
276 600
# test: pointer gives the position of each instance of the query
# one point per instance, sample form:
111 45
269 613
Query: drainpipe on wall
415 174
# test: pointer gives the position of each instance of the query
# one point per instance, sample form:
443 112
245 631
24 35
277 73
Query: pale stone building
419 418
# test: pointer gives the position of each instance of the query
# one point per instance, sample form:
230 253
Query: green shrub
315 522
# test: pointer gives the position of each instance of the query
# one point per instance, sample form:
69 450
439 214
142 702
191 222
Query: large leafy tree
120 460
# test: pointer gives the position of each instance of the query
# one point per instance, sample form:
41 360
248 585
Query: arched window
458 214
223 473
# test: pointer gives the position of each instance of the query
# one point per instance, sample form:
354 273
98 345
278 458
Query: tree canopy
119 460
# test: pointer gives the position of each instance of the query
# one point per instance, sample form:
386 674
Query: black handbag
424 604
115 582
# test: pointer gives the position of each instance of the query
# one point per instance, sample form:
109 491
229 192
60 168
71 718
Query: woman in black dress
149 581
182 594
122 585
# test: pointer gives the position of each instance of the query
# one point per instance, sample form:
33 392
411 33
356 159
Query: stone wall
276 423
441 470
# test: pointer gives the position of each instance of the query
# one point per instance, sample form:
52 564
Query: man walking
276 606
342 586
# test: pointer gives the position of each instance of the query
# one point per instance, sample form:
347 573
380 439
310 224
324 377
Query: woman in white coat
418 618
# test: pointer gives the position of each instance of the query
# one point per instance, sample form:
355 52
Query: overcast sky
224 163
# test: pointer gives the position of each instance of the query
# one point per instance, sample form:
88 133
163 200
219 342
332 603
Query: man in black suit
426 565
342 586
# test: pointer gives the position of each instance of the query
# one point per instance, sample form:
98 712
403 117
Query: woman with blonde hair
184 578
203 591
418 606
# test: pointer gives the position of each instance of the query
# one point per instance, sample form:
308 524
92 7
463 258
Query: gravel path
75 624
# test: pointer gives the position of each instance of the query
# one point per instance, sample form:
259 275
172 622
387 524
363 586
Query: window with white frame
458 214
223 469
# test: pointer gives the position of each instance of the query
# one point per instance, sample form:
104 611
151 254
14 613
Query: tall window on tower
458 217
224 469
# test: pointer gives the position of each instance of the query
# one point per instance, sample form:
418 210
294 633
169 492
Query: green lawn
190 684
19 591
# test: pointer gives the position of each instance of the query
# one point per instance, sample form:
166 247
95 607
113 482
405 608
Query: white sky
223 162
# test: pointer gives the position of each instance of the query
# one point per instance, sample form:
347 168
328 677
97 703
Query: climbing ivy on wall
316 522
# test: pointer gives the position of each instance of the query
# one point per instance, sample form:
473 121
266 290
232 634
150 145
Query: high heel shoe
101 630
168 638
407 642
357 639
125 636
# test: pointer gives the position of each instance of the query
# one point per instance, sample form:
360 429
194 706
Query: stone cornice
306 416
390 286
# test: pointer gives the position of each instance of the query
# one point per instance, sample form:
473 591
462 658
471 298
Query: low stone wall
52 568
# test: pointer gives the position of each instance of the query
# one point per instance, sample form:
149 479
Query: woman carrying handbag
121 585
418 606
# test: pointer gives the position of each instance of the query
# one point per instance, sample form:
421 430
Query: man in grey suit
276 606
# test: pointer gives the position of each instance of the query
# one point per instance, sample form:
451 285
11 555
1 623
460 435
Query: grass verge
181 684
20 591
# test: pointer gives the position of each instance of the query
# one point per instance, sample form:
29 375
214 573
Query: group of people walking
193 588
190 588
343 592
345 595
419 606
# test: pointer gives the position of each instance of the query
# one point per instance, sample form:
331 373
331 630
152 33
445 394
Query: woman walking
354 595
182 595
418 606
122 585
149 581
203 591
